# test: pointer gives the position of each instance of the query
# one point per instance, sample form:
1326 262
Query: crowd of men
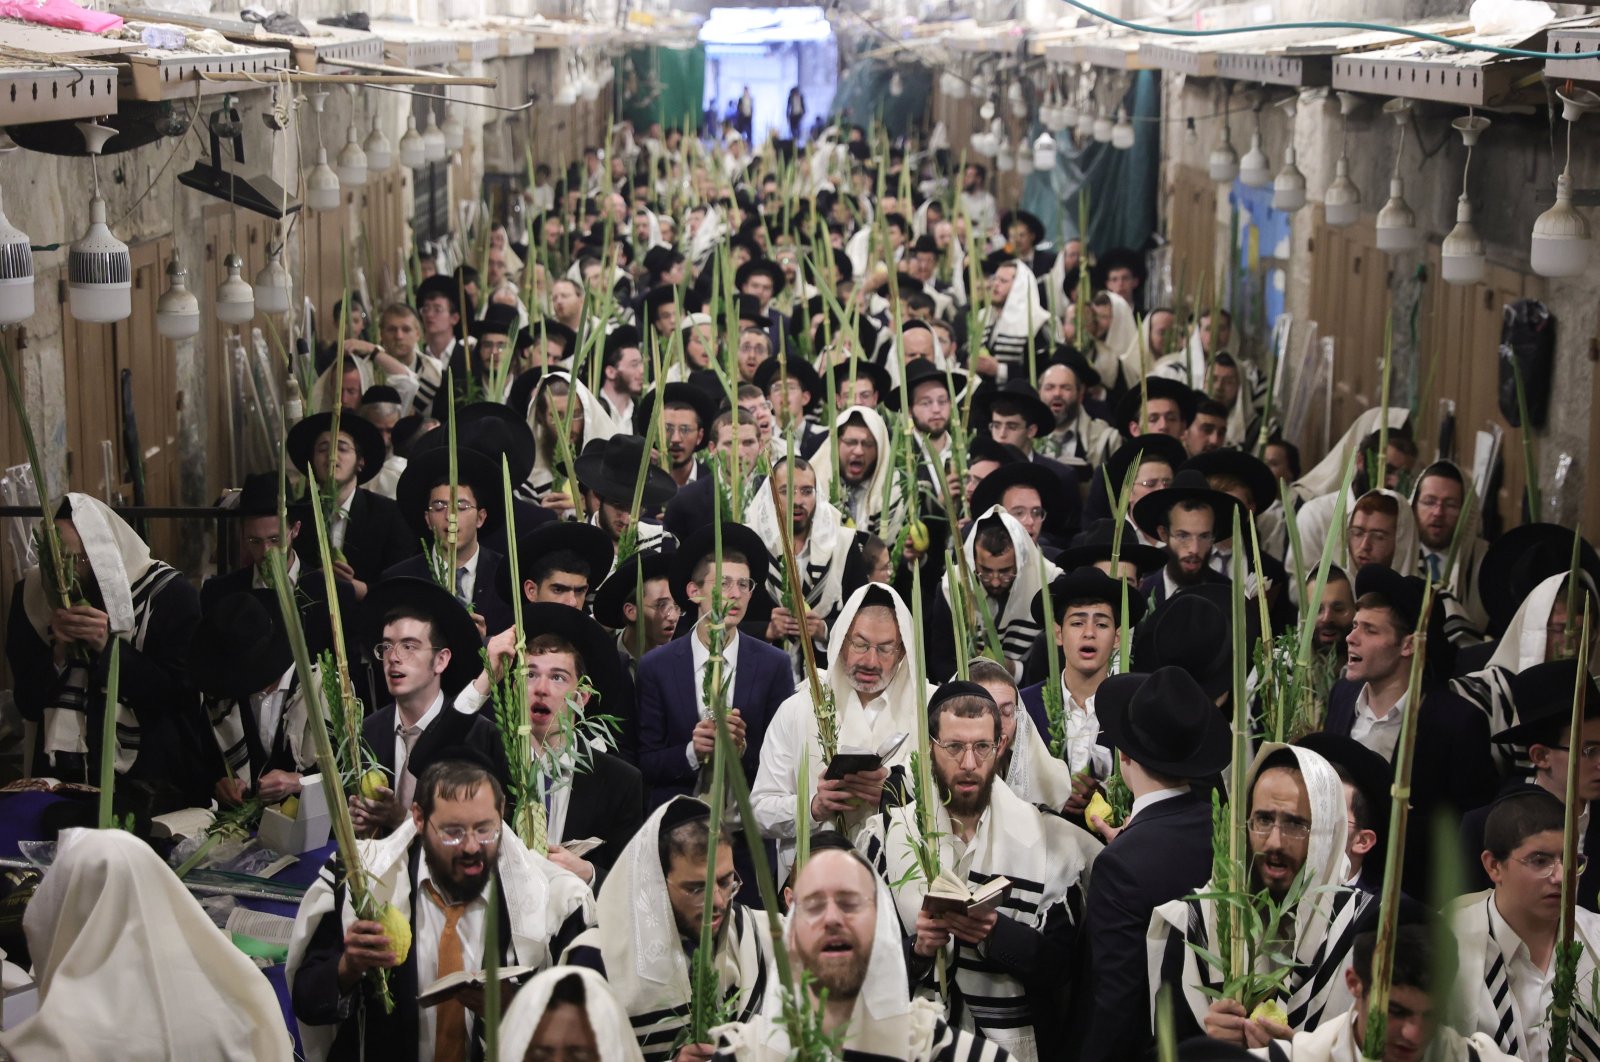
859 432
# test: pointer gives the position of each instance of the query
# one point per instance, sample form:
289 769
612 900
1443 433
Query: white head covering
130 967
828 543
1326 475
1405 536
1525 642
607 1020
1018 611
597 423
888 525
1122 348
1326 862
713 227
1023 314
117 555
636 922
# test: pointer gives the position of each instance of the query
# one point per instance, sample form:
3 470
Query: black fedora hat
498 320
548 329
240 646
620 585
303 438
453 628
736 538
587 541
1543 698
425 470
494 431
259 497
858 368
1060 512
1247 468
1035 226
1127 408
444 286
984 448
1068 357
1404 593
520 398
1521 559
594 643
1190 631
1189 485
761 267
920 371
1137 451
1164 721
699 399
1090 584
748 308
1015 392
610 468
1093 547
795 368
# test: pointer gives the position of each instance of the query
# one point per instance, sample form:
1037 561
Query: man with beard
865 465
651 914
1438 501
1186 517
875 702
434 871
608 470
1334 617
977 202
1077 434
622 373
737 446
928 396
259 532
1007 958
846 935
1009 570
619 606
1296 823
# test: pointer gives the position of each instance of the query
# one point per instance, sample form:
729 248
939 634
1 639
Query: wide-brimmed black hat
423 471
1542 695
985 448
1084 372
1137 451
761 267
453 628
1032 221
1189 485
1404 593
1165 722
497 320
736 538
1019 392
658 260
703 402
1120 258
920 371
620 585
240 646
303 438
492 430
1060 512
1093 547
380 394
443 286
1188 630
259 497
593 642
795 368
547 329
748 308
857 368
520 398
1245 467
610 468
589 542
1090 584
1521 559
1127 408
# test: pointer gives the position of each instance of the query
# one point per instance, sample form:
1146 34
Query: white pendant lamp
1122 132
178 310
351 165
1461 256
1397 230
433 146
412 154
1044 152
236 301
1101 129
380 153
455 133
986 110
1023 159
99 270
1084 126
1561 238
1341 203
274 287
322 184
16 273
1289 187
1223 165
1254 169
1002 157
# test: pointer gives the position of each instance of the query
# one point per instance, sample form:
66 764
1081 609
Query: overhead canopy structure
784 25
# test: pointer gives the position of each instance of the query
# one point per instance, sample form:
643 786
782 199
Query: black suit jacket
606 802
486 601
375 540
227 584
1164 854
1452 771
690 508
1154 586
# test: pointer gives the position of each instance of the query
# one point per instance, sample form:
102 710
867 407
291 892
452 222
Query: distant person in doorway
795 111
745 118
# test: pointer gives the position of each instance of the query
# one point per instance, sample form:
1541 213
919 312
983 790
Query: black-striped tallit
766 1041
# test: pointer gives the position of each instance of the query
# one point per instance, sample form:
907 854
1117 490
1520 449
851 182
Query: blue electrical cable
1472 46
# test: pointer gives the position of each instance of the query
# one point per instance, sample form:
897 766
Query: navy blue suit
668 709
1032 698
486 602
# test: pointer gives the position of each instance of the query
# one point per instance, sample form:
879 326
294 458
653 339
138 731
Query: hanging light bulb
1122 132
433 148
236 302
178 310
567 94
1341 203
455 134
322 184
412 153
897 85
379 152
1002 157
1223 164
1461 257
1014 92
1084 126
1044 152
1101 129
986 111
1068 115
1022 158
273 284
1561 237
951 85
1397 223
1289 187
16 273
99 270
1254 169
1019 109
351 165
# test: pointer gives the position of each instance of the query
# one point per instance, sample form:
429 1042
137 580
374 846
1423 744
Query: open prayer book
851 760
949 893
580 847
451 985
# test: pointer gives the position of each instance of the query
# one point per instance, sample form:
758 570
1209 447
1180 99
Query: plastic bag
62 13
1527 335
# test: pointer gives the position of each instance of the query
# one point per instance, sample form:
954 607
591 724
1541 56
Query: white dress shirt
268 709
1530 986
430 923
1378 733
1142 802
400 754
700 654
1083 747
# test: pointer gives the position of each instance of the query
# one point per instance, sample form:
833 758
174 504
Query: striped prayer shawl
1489 691
228 723
758 1041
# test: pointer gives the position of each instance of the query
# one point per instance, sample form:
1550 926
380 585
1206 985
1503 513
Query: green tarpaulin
665 85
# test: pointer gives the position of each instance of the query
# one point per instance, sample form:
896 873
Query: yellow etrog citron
290 807
373 781
1270 1010
398 929
1098 805
919 536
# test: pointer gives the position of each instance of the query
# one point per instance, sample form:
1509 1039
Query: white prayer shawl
1404 560
1326 475
1483 987
130 967
129 579
539 895
793 730
1015 624
387 482
227 724
857 248
1324 919
828 549
867 512
1121 352
1045 857
713 228
646 966
607 1020
1093 440
1335 1041
1033 774
1465 618
1019 322
597 424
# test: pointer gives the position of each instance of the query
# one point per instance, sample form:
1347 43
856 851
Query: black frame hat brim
612 595
473 469
302 440
1052 493
586 540
449 618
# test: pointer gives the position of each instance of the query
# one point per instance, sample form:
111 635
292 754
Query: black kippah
959 688
681 810
417 765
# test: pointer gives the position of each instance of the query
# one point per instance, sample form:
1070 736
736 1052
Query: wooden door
1349 303
1192 228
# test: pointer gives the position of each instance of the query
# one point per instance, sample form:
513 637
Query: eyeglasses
1589 753
684 430
456 836
1154 483
861 647
1292 827
1543 864
957 750
462 506
1027 514
730 584
406 649
727 886
799 492
666 606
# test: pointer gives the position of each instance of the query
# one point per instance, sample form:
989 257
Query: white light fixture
1397 223
1461 257
16 273
1101 129
1044 152
1254 169
1083 128
1023 159
322 184
986 111
455 134
1223 164
1289 187
178 310
412 153
433 147
236 302
1122 132
380 153
1341 203
1002 157
1019 109
1014 92
351 165
951 85
897 85
99 271
1561 237
590 89
566 95
273 286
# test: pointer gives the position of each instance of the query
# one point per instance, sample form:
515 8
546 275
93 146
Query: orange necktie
450 1017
